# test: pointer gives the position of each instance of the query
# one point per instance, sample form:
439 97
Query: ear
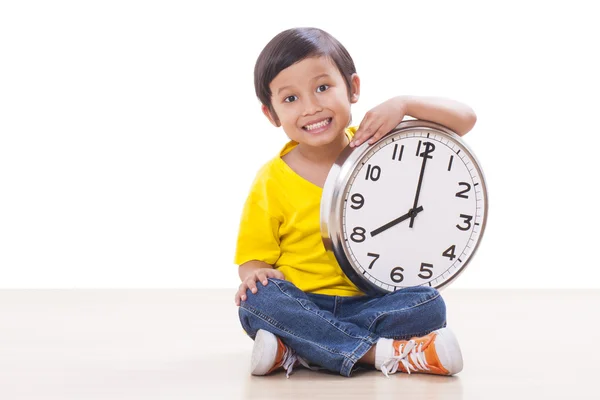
355 88
272 118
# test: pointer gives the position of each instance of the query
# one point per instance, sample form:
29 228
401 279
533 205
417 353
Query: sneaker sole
263 353
448 351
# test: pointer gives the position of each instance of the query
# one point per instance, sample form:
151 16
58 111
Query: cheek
342 106
288 120
341 100
292 113
280 114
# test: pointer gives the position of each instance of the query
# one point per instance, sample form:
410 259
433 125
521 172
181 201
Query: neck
324 154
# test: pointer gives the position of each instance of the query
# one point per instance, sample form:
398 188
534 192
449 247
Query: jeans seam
357 354
275 324
401 310
318 315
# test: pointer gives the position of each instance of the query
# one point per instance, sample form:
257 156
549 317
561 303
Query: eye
322 88
290 99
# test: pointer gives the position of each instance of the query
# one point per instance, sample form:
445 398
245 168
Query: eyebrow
314 79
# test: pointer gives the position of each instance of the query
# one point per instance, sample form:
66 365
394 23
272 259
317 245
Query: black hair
294 45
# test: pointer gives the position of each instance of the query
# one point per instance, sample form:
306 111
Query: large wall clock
408 210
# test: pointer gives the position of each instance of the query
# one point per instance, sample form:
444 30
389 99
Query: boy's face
311 101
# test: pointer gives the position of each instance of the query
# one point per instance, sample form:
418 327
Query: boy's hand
259 275
379 121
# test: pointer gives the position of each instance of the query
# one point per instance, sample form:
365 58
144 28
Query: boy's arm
452 114
380 120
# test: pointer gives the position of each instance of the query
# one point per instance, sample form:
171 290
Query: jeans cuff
356 355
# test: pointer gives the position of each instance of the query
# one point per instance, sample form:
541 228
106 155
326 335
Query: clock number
462 194
357 198
375 259
396 151
429 148
450 252
373 173
358 235
429 272
467 219
396 275
450 163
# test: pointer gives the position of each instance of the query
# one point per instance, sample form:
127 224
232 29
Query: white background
130 131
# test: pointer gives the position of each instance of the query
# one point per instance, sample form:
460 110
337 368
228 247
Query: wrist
248 268
404 104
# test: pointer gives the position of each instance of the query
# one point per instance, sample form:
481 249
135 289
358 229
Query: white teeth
318 124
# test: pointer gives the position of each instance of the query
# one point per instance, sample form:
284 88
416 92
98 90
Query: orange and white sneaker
269 354
436 353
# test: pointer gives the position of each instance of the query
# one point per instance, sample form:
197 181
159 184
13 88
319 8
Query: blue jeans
334 332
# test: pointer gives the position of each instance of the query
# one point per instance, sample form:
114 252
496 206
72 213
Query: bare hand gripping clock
408 210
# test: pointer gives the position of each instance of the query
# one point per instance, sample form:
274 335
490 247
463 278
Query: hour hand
410 214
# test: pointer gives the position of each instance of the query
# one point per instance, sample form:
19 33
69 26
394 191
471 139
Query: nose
312 105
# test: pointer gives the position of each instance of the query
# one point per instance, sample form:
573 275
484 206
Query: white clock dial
412 211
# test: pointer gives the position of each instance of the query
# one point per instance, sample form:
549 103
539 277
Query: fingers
279 275
362 131
262 277
274 273
378 134
370 129
244 286
240 295
371 133
250 283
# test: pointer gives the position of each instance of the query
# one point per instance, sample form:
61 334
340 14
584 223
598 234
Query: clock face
412 211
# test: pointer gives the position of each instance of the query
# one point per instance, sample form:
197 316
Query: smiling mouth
318 125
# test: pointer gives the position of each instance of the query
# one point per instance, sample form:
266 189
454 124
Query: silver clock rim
331 212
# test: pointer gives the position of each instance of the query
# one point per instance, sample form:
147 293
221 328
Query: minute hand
412 218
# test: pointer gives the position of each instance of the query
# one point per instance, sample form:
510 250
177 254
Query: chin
323 140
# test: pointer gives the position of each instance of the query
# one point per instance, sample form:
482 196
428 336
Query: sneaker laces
407 352
290 358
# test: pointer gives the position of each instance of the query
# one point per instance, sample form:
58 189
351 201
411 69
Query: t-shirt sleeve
351 130
258 236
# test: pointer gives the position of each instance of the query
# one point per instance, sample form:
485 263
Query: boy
306 310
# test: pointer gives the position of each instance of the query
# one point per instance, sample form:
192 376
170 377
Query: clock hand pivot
412 213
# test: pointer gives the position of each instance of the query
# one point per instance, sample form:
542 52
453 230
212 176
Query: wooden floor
188 344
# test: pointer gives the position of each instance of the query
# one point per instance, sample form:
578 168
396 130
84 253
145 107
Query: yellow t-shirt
281 226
